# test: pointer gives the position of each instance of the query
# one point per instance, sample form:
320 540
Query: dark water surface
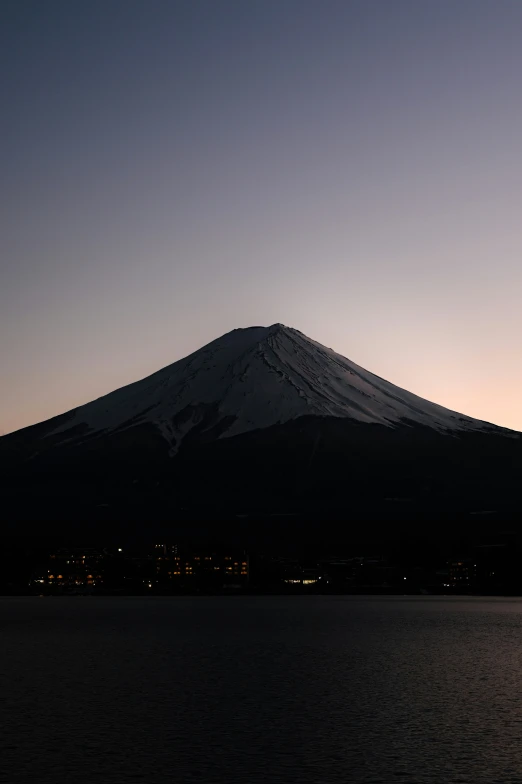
261 689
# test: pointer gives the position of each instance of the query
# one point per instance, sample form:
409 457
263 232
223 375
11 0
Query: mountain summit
263 417
257 378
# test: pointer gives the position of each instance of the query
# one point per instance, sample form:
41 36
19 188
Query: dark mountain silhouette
261 422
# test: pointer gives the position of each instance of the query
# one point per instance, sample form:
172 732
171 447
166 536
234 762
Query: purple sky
171 170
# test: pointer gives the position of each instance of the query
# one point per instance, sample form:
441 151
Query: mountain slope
256 378
260 417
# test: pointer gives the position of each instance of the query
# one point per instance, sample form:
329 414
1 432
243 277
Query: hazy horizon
173 170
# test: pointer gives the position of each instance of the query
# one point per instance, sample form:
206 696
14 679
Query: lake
261 689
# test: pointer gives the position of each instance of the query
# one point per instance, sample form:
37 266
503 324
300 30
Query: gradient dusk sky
174 169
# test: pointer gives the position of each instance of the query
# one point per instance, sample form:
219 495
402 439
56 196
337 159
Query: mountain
259 421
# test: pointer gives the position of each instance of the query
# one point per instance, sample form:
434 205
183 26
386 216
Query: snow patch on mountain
259 377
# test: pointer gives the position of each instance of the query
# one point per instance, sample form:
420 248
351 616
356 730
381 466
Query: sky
175 169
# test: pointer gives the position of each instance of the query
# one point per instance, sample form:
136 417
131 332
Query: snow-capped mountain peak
259 377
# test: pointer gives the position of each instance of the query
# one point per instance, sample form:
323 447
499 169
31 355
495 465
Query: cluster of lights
187 568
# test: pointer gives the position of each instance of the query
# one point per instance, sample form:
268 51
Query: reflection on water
261 689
